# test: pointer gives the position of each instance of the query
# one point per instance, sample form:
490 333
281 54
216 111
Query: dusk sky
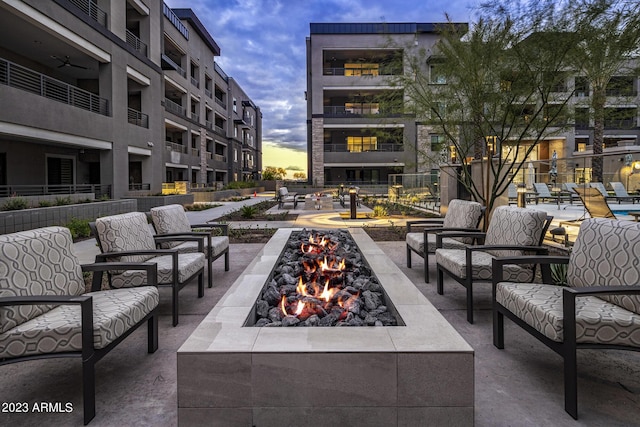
262 46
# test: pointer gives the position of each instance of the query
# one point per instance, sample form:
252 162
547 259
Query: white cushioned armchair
171 221
599 307
128 237
462 215
511 232
45 312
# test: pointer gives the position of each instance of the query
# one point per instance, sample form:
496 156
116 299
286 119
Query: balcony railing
344 148
137 186
208 93
174 107
620 124
137 118
173 65
362 72
208 124
91 8
39 190
208 155
195 82
220 102
175 21
19 77
220 158
194 116
621 92
195 152
136 43
178 148
342 111
220 130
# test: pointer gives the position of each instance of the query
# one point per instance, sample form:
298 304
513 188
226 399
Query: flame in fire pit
322 283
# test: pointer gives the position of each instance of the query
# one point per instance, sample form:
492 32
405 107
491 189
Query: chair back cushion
511 225
619 189
283 191
606 254
170 219
462 214
33 263
125 232
542 189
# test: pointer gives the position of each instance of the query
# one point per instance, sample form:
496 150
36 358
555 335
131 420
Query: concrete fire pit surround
230 375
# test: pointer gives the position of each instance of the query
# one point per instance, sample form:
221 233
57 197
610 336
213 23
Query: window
362 107
436 75
437 142
358 144
582 87
353 69
235 105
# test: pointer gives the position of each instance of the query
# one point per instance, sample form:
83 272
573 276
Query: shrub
239 184
63 201
44 203
248 211
379 211
79 228
15 204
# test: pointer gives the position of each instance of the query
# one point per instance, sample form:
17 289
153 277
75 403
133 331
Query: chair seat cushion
188 265
115 311
416 241
219 244
597 321
455 261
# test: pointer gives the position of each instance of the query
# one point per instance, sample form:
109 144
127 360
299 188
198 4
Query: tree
273 173
608 35
491 93
300 175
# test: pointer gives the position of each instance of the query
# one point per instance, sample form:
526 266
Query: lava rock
290 321
262 322
262 308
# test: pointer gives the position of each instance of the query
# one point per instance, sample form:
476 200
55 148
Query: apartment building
354 136
94 95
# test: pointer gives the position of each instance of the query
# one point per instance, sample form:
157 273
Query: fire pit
318 201
321 279
418 372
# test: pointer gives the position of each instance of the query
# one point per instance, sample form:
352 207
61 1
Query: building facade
354 136
89 97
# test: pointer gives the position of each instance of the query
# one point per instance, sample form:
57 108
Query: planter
28 219
147 202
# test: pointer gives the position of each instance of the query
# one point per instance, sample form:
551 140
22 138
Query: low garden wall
28 219
216 196
147 202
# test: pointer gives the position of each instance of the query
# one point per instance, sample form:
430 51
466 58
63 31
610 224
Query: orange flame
282 307
299 308
301 288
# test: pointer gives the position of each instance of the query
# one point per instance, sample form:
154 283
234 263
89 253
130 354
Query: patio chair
600 187
285 197
621 192
171 220
462 215
570 187
512 192
46 313
512 231
599 308
128 237
544 194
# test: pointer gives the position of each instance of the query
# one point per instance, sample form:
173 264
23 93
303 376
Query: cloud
263 47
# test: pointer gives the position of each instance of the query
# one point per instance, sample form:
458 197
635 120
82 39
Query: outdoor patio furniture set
45 311
597 308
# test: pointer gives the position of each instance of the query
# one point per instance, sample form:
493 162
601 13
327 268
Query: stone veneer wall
148 202
317 151
28 219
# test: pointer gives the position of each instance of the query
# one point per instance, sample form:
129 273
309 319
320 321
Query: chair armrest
498 263
184 237
477 235
424 223
537 249
150 267
223 227
45 299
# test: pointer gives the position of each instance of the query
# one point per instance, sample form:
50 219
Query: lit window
351 69
357 144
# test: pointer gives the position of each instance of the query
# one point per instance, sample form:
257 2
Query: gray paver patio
518 386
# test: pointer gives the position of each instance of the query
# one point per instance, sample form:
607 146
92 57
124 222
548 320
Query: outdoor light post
352 202
522 196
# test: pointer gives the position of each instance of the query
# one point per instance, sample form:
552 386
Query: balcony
195 117
174 107
220 158
220 130
337 111
208 155
621 91
195 152
136 43
137 118
208 124
629 123
344 148
178 148
175 21
208 93
195 82
361 72
22 78
172 65
220 102
90 8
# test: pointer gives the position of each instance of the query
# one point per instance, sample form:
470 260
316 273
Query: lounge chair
128 237
597 309
543 194
512 231
595 203
46 312
621 192
462 215
512 190
285 197
570 187
600 187
171 220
